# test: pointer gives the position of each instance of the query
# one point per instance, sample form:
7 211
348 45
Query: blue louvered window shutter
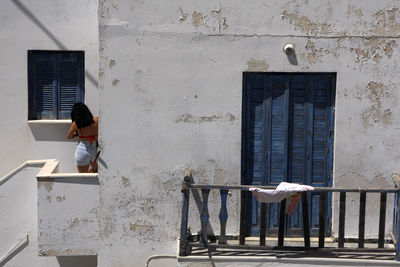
56 82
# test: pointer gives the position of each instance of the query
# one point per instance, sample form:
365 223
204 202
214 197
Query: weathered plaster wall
68 216
171 94
47 25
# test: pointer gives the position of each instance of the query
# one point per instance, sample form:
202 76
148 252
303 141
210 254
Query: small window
56 81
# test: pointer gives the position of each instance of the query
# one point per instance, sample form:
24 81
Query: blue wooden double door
288 124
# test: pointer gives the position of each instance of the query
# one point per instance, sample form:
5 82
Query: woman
86 127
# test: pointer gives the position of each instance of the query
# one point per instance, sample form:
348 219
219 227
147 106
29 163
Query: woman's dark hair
81 115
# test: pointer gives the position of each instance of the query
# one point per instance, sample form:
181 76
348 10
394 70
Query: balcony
341 248
68 204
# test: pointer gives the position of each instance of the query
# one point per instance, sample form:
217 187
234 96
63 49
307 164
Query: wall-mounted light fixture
288 49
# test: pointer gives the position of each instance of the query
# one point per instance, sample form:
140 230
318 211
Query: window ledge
52 122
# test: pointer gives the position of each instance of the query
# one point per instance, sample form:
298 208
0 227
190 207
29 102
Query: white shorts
85 153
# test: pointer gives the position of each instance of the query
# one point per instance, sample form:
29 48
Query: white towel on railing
282 191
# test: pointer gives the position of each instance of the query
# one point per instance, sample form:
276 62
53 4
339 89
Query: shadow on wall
77 261
49 34
51 132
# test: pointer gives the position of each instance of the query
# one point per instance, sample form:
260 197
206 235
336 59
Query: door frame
330 139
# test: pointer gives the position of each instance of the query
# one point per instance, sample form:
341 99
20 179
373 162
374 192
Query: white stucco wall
171 96
68 216
24 239
45 25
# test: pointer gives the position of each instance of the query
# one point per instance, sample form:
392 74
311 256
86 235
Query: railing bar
296 248
223 217
361 224
396 222
263 223
282 216
316 189
204 217
243 220
14 248
306 223
322 215
184 223
342 219
382 218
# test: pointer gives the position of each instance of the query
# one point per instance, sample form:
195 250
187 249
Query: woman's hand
73 131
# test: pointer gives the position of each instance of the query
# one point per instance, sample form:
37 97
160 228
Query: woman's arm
72 131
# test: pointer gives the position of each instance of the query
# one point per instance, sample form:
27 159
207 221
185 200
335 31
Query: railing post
204 217
396 217
306 223
183 249
397 223
223 217
361 222
263 223
382 220
322 217
282 217
342 219
243 214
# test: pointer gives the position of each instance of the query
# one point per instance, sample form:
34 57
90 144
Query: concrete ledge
54 176
31 163
49 122
275 261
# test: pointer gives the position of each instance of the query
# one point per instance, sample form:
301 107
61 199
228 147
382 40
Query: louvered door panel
256 148
320 149
299 89
277 140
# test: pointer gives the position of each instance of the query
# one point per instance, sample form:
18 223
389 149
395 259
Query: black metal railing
189 241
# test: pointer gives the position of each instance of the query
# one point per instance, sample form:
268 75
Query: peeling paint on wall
125 181
141 228
374 114
183 15
257 65
115 82
219 176
171 185
111 64
213 20
109 226
388 48
305 25
374 48
74 223
47 185
189 118
386 22
222 23
313 55
60 198
197 18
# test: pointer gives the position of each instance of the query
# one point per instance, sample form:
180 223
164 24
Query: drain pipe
161 256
